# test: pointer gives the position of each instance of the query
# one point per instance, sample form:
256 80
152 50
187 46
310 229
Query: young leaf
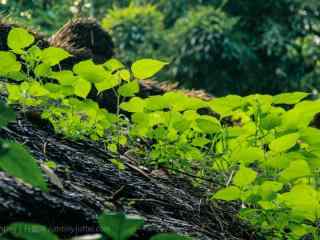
284 143
8 63
113 65
65 77
91 72
296 169
42 70
269 187
228 194
17 162
53 55
111 81
119 226
247 155
37 90
19 38
208 125
25 231
289 98
125 75
244 177
169 236
82 88
146 68
129 89
13 92
135 104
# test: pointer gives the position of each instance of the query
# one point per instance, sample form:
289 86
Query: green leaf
224 105
111 81
284 143
8 63
208 125
296 169
169 236
129 89
113 65
228 194
269 187
13 92
146 68
53 55
247 155
302 199
125 75
42 70
135 104
37 90
119 226
19 38
82 88
289 98
16 161
6 115
25 231
244 177
91 72
65 77
311 136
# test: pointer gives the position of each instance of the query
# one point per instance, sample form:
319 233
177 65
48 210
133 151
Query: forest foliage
255 141
239 47
262 150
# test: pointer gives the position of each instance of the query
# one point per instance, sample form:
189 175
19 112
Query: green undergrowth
261 150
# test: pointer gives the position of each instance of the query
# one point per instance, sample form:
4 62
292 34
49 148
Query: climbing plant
262 150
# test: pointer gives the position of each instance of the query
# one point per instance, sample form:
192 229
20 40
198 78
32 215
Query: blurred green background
222 46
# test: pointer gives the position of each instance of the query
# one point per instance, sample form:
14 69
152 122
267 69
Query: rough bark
92 184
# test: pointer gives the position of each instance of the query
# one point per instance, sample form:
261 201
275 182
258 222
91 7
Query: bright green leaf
244 177
125 75
296 169
8 63
208 125
284 143
135 104
129 89
113 64
111 81
146 68
19 38
228 194
82 88
91 72
289 98
53 55
247 155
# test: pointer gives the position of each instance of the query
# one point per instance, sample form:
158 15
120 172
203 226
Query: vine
262 150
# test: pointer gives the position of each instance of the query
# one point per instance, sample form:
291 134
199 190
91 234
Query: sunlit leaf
244 177
228 194
19 38
146 68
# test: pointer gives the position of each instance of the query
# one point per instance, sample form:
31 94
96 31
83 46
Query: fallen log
91 184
